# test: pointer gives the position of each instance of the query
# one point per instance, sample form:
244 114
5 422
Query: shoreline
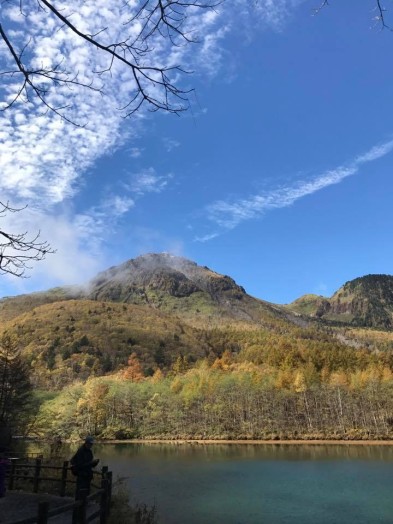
253 442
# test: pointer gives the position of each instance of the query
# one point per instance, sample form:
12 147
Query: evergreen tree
15 386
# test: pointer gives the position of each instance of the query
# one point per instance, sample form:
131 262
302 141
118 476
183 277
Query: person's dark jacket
83 461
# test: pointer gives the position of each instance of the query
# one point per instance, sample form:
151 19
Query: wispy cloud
206 238
227 215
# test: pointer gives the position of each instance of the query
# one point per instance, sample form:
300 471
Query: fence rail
33 472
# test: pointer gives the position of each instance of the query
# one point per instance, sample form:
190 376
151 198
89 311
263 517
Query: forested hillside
160 347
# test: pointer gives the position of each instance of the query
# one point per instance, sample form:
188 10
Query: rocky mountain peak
160 273
364 301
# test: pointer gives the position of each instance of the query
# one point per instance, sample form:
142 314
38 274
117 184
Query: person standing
82 464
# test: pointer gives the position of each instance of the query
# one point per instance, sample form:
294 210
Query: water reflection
251 451
189 451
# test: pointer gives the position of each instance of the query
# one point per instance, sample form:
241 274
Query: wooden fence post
104 472
63 483
109 491
79 513
83 507
42 517
104 501
11 477
37 471
75 515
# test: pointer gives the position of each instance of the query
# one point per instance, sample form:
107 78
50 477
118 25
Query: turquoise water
257 484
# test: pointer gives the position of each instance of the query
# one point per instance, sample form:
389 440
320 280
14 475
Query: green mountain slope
162 347
75 339
162 308
366 301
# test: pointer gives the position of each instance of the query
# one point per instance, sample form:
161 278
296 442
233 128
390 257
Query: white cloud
228 214
135 152
170 144
206 238
75 239
272 14
147 181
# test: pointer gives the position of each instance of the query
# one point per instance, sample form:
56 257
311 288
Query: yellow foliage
387 375
176 385
284 379
158 376
299 383
339 379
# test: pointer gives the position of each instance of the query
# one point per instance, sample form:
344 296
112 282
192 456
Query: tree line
244 401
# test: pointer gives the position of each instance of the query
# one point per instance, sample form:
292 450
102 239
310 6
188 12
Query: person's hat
89 439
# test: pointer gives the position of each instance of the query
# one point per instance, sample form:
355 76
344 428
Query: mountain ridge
364 301
180 286
161 308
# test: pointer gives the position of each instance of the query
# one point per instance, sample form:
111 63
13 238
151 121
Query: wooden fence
36 472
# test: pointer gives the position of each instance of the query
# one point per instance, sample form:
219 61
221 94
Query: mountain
158 306
162 281
366 301
202 297
162 308
178 285
148 278
160 347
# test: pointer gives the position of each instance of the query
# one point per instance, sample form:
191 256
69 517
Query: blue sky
279 175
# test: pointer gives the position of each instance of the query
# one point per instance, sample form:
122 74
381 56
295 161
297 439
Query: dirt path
17 505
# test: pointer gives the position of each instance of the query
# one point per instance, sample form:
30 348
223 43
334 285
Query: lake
257 484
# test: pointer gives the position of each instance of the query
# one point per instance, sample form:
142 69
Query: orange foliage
133 371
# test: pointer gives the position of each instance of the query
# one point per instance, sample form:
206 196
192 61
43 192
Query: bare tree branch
379 18
25 79
319 8
154 85
18 251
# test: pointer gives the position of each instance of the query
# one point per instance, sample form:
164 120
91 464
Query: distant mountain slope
365 301
11 307
310 305
178 285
